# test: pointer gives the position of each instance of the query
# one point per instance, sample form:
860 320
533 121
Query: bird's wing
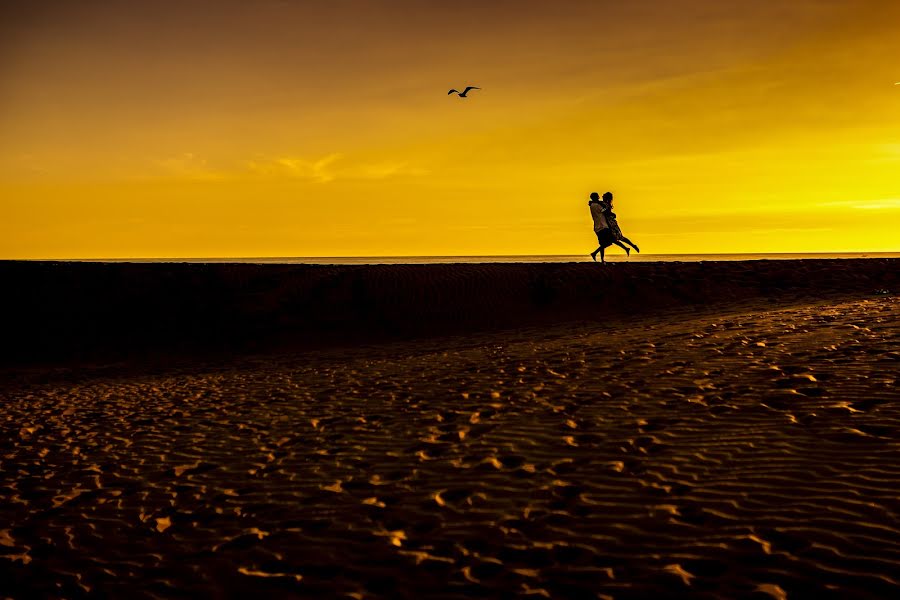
471 87
452 91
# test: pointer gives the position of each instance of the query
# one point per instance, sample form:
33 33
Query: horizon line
423 256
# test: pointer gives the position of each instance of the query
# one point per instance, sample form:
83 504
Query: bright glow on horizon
311 129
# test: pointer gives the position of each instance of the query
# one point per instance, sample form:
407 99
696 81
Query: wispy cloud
879 204
386 170
324 169
332 167
319 170
190 166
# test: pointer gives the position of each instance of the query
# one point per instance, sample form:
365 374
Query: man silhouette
601 226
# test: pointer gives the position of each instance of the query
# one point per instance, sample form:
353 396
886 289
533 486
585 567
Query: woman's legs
630 243
623 247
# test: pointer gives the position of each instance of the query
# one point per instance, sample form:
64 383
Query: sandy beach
702 430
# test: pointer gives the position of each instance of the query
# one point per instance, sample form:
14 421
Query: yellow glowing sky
204 128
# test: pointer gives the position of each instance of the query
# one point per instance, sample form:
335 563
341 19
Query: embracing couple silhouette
606 227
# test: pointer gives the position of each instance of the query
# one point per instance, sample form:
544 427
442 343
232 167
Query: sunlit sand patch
772 590
527 572
335 487
259 533
180 469
471 500
421 556
617 465
492 460
530 591
163 523
854 431
697 399
667 508
678 570
487 559
373 501
24 558
256 573
431 438
766 546
67 496
6 539
395 537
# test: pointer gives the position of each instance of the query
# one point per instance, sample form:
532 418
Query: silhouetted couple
606 227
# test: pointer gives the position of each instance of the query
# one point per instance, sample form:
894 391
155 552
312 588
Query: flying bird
462 94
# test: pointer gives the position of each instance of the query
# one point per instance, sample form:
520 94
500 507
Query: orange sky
302 128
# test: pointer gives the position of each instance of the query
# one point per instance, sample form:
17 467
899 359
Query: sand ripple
744 455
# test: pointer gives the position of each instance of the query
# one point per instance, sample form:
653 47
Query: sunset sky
217 128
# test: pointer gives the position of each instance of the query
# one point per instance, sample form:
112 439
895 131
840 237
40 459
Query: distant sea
538 258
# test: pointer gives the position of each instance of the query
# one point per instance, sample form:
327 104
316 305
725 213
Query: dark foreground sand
742 450
65 311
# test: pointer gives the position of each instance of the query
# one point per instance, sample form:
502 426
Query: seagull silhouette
462 94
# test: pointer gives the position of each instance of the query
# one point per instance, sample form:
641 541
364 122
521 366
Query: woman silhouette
618 237
601 226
